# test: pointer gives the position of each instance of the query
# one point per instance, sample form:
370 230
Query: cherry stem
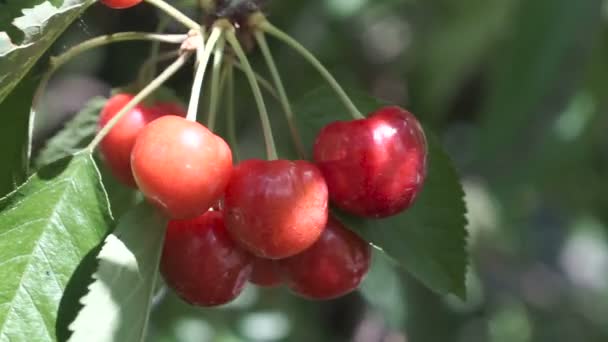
267 27
203 56
149 89
230 117
216 89
261 80
283 99
58 61
271 151
175 13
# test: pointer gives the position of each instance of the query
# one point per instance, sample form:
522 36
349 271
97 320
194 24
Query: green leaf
39 24
14 136
76 134
47 227
118 304
429 239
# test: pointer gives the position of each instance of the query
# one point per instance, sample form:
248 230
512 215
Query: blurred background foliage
518 92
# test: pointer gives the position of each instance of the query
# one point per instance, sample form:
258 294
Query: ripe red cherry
265 273
202 263
120 4
334 266
373 167
276 209
181 166
116 147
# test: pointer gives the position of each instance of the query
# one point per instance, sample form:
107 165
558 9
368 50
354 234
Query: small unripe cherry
277 208
265 273
201 263
117 145
334 266
181 166
120 4
374 167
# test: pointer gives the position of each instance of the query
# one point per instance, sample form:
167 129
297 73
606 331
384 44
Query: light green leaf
118 304
429 239
40 23
47 227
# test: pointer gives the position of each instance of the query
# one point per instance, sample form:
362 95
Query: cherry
334 266
374 167
116 147
181 166
120 4
202 263
265 273
276 209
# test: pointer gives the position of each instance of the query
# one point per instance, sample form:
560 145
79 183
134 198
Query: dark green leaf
118 304
47 227
75 136
429 239
14 136
39 23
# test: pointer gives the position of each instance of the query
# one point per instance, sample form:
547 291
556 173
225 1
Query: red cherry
116 147
334 266
202 263
120 4
181 166
265 273
276 209
374 167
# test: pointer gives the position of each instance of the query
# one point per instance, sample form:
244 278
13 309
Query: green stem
230 117
175 13
271 151
203 56
216 89
274 31
278 83
261 80
60 60
149 89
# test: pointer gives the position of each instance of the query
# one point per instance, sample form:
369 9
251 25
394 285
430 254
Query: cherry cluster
263 221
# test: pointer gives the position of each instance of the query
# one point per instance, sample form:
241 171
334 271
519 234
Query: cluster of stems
222 34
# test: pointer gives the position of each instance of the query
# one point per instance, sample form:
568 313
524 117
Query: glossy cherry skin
334 266
276 209
201 263
120 4
265 273
116 147
374 167
181 166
